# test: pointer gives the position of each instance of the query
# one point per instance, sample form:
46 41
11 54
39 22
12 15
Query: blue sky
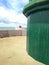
11 13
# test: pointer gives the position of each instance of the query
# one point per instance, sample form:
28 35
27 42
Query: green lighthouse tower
37 12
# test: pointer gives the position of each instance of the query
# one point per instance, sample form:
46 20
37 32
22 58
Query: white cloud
15 3
18 5
9 14
6 25
25 1
12 15
21 18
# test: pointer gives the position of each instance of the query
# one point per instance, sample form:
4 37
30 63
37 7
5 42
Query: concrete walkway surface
13 52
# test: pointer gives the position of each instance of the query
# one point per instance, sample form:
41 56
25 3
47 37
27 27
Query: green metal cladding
37 12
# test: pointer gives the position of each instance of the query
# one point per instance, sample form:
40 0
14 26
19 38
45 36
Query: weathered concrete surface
4 33
8 33
13 52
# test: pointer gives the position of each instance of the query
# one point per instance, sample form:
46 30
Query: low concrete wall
15 32
4 33
24 32
8 33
